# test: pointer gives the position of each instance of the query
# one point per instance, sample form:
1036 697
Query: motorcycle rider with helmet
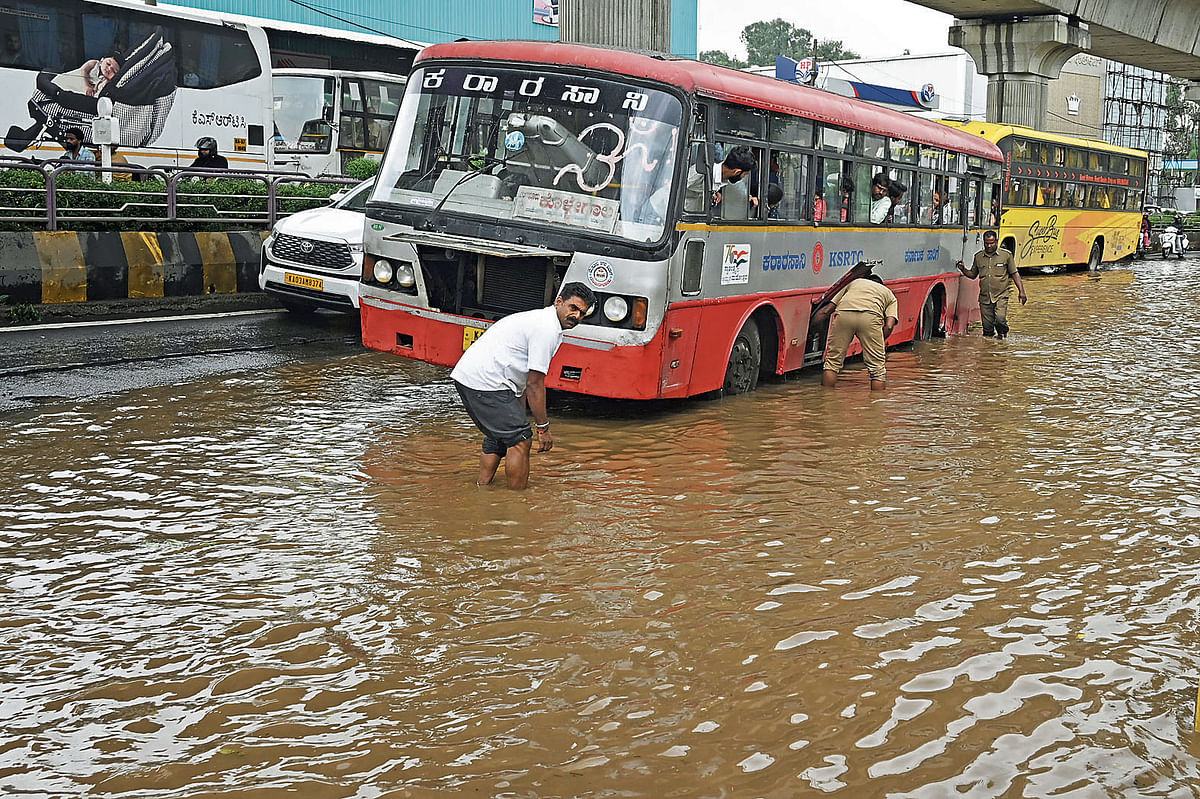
208 157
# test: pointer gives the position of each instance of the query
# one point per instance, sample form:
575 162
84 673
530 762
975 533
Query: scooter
1173 242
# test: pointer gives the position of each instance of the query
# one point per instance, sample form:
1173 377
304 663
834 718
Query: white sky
871 28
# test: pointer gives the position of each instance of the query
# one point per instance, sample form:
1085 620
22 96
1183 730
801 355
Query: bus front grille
487 286
514 284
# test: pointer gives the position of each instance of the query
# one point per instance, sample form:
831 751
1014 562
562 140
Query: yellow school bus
1066 201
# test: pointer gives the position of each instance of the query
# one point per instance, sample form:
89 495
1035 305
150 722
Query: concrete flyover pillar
1020 56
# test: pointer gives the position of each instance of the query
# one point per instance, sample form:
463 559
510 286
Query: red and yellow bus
518 166
1067 201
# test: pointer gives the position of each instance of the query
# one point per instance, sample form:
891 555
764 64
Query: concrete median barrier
54 268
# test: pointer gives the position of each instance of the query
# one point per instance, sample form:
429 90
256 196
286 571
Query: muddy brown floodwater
982 583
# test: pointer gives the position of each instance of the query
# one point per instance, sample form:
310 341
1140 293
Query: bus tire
1096 257
741 373
926 323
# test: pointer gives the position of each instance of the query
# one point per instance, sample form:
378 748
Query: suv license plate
304 281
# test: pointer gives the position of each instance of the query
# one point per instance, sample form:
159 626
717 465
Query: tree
765 40
722 59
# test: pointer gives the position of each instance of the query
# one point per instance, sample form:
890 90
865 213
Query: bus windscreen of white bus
561 150
303 108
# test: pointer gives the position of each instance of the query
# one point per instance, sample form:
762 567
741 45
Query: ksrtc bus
1067 201
171 75
518 166
324 118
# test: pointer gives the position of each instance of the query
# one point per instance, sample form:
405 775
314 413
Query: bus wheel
1094 258
741 375
926 323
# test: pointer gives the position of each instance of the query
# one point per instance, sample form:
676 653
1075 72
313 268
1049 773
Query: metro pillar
1020 56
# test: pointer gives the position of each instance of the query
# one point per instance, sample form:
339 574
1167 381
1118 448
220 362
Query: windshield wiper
488 163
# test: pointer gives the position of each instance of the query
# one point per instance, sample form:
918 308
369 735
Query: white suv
313 259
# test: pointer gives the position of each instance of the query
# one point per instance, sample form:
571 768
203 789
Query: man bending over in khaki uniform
865 309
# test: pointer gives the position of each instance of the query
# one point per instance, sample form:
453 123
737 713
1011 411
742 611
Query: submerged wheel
926 323
741 375
1095 257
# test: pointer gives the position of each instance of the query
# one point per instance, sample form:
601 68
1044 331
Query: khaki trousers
994 315
868 328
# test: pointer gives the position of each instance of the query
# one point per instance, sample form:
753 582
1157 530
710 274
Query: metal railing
63 194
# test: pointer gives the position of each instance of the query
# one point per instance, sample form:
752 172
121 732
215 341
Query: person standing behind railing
73 149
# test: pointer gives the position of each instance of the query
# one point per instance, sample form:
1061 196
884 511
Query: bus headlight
405 275
616 309
383 271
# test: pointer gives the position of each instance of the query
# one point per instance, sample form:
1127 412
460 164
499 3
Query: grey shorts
499 415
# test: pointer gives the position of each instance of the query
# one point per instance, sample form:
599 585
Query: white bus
172 76
326 117
175 75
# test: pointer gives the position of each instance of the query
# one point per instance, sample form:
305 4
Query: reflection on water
982 582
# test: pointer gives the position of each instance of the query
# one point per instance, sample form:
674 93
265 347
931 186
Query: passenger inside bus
847 198
726 174
898 212
13 54
881 203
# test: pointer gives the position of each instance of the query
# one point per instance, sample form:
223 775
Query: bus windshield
303 110
563 150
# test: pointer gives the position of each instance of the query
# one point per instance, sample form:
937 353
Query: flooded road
281 581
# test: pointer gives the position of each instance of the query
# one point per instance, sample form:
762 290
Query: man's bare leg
516 469
829 378
488 464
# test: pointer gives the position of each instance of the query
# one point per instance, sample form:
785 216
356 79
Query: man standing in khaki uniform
867 309
997 272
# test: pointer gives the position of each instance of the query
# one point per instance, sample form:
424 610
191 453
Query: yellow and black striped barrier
76 266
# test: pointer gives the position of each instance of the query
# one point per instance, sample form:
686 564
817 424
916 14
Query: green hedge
212 203
1190 221
361 168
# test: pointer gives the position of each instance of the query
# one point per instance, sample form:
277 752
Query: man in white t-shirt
504 370
880 202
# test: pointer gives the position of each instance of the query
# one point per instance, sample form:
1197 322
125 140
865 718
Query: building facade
430 22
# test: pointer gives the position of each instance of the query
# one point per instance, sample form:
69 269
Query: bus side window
741 200
974 195
210 57
839 189
696 198
42 36
927 202
861 212
902 206
953 213
789 173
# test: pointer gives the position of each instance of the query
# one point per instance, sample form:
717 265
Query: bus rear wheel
741 374
1096 256
926 322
